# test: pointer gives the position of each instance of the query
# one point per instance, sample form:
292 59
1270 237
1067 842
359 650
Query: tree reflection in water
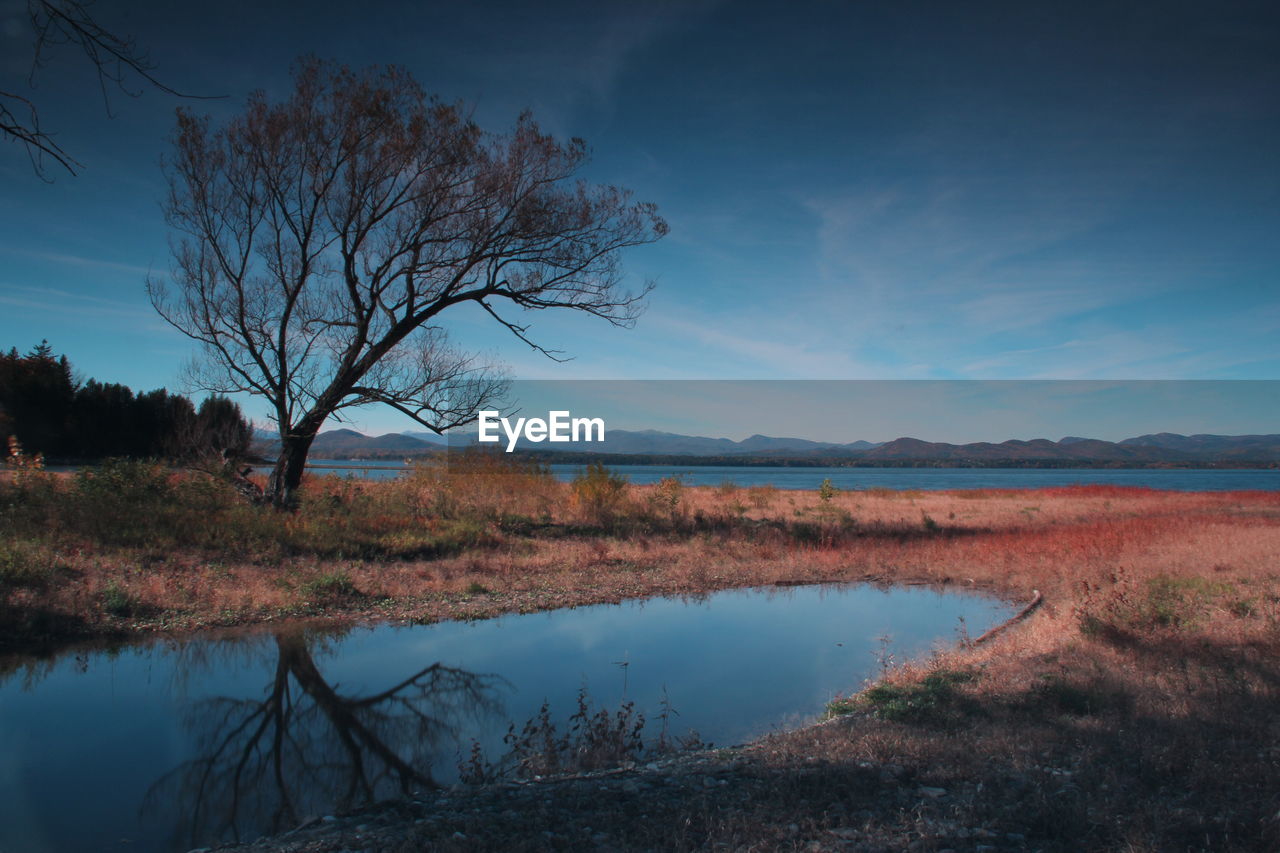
306 749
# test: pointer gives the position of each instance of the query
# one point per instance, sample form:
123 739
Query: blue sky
855 190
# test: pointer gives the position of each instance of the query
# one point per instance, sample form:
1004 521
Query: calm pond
170 746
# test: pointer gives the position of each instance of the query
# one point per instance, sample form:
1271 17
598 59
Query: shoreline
1134 707
461 608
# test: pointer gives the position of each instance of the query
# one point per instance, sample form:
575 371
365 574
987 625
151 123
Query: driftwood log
1036 600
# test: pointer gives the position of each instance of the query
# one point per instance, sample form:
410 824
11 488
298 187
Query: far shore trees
47 410
322 237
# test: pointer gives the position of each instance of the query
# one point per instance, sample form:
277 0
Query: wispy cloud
55 303
764 352
564 63
78 260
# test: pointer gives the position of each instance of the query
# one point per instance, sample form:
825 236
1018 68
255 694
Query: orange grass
419 547
1133 711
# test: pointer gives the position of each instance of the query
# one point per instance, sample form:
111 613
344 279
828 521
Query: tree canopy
320 239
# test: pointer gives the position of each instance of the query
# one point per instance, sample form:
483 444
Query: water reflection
184 744
305 747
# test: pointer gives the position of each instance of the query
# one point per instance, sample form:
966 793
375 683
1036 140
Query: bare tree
304 746
322 237
116 59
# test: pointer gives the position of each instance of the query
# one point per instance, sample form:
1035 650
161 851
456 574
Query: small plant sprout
884 657
827 491
668 711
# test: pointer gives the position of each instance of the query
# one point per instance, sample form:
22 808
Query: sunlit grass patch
118 601
935 699
330 586
25 565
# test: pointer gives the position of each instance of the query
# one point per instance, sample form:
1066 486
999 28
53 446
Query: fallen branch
1036 601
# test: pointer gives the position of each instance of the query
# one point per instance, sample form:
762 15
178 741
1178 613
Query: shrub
1161 603
21 566
328 587
665 497
127 502
827 491
124 481
599 492
478 483
1179 602
28 468
117 601
762 497
593 738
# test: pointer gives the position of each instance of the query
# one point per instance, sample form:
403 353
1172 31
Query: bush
126 502
328 587
21 566
827 491
478 483
593 738
117 601
124 481
665 496
599 493
1179 602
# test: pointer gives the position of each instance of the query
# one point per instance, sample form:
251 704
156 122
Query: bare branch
38 142
519 332
116 59
304 745
319 239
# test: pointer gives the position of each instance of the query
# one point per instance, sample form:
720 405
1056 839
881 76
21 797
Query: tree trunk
282 487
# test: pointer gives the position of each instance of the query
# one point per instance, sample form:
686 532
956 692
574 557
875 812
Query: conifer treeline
50 412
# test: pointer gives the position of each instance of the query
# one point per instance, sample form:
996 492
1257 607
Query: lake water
924 479
169 746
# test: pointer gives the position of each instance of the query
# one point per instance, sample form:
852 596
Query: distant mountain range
1157 448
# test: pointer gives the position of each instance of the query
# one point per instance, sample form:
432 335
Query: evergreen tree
50 413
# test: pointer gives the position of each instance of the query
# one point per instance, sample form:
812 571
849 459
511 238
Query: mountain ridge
1145 449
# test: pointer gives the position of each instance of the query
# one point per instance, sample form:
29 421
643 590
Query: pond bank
1134 710
1052 743
236 736
1135 737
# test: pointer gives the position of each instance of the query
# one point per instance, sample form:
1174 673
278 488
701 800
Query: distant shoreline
625 459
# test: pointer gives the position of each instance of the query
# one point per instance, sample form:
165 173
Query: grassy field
1134 710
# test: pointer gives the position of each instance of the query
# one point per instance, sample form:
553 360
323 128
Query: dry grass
135 546
1134 711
